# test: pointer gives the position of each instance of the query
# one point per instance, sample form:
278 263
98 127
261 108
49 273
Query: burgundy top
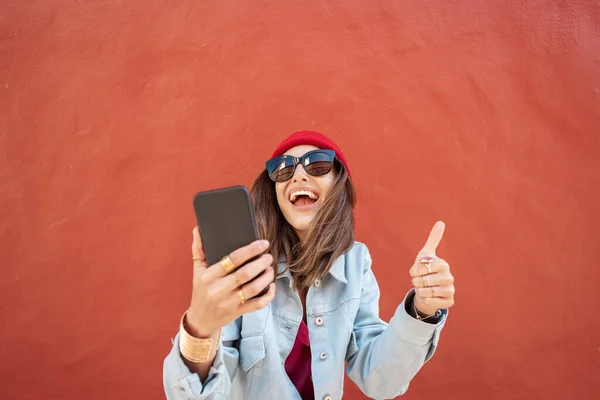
298 362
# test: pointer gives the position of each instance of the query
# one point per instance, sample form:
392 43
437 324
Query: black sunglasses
315 163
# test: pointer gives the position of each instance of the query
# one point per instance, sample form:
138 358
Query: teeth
297 193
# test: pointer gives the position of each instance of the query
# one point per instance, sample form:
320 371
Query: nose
300 174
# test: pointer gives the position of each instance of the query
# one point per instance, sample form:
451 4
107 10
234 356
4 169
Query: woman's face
301 196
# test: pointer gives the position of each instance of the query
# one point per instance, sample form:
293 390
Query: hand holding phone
226 227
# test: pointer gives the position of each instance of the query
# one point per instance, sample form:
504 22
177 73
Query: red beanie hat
313 138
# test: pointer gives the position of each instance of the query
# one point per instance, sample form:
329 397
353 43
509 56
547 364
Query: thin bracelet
435 314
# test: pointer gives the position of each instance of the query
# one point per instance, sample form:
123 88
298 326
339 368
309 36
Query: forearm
388 358
202 369
181 383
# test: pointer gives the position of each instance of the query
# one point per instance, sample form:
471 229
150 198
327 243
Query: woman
321 309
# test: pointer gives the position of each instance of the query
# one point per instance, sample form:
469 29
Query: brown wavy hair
331 232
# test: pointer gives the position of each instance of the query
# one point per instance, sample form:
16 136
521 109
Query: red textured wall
483 114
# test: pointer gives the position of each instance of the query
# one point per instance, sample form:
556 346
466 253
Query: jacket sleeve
181 384
382 359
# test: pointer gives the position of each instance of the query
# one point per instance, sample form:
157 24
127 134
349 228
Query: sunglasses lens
283 171
318 164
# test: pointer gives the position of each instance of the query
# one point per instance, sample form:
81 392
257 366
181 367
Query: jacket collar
338 270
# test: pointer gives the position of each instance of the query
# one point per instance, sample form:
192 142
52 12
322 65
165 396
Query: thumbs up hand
431 277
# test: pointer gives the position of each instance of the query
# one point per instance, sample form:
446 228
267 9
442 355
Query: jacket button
317 283
327 398
323 356
319 321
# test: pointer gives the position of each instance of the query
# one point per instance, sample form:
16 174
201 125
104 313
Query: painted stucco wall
484 114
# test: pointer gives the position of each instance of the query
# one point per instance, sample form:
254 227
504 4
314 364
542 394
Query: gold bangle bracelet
195 349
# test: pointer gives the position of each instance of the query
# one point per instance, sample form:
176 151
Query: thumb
197 250
434 239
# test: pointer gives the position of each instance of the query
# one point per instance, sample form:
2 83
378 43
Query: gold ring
428 265
424 281
433 291
197 259
227 264
242 297
427 262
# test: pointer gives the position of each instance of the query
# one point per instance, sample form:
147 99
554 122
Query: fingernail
264 244
426 259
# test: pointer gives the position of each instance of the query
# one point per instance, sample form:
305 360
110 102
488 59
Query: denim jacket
344 325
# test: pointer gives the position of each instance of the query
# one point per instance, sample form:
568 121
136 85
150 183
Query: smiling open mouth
301 198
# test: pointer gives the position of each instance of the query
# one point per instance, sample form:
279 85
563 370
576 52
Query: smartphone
226 222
